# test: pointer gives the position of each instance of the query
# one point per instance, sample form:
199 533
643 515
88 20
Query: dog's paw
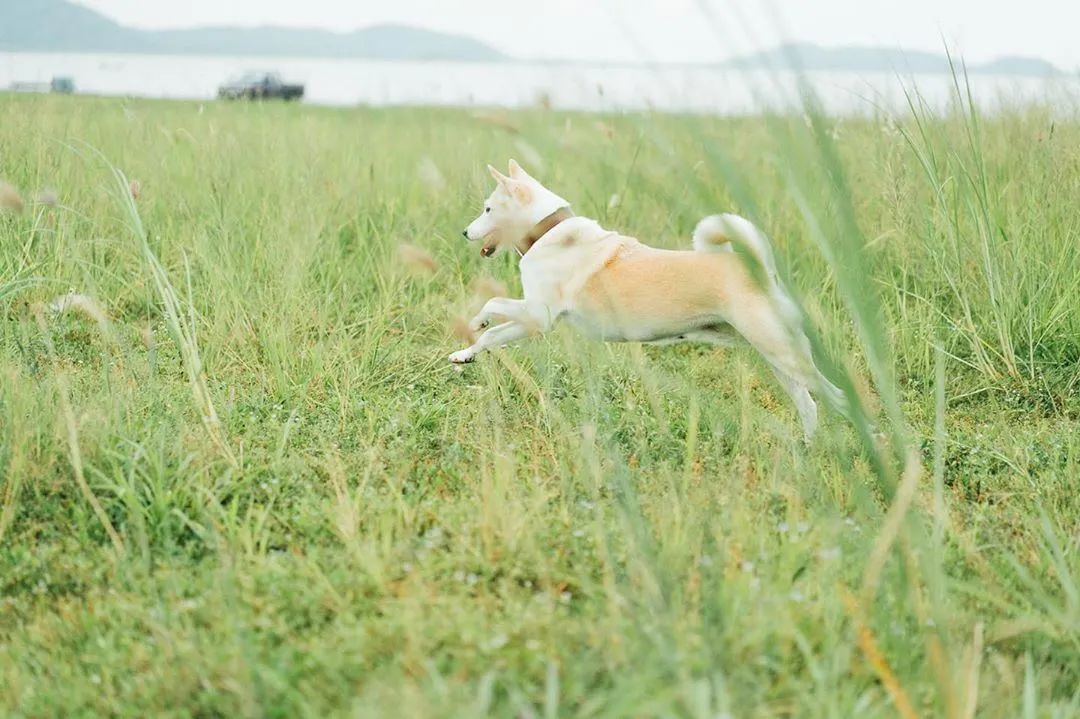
463 356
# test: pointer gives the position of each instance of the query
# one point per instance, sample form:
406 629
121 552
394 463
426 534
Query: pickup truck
259 86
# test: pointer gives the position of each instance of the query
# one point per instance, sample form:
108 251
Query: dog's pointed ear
520 191
499 177
517 172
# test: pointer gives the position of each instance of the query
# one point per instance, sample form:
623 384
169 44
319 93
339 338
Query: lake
519 84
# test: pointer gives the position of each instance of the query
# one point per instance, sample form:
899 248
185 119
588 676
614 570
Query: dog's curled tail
716 233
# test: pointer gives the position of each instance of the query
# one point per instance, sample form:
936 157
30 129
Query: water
566 86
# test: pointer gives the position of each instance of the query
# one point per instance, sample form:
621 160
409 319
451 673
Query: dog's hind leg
787 350
834 396
804 403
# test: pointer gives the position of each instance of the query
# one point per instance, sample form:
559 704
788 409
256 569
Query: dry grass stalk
72 427
868 645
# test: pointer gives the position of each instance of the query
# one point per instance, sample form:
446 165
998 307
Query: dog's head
511 212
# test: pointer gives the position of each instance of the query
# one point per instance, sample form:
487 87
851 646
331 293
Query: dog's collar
543 227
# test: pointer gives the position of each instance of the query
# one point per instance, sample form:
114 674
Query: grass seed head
533 160
81 304
47 197
10 199
430 175
500 120
484 288
459 327
417 260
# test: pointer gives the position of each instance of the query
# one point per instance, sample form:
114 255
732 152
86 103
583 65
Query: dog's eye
487 209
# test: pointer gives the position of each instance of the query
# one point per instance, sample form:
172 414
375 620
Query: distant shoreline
734 66
521 84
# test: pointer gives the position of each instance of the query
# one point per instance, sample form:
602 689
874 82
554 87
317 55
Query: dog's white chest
554 271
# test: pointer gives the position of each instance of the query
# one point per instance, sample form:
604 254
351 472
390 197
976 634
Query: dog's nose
465 234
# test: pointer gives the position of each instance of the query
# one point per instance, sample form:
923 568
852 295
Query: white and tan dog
620 290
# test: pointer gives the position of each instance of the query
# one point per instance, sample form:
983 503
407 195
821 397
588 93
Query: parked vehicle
259 86
61 85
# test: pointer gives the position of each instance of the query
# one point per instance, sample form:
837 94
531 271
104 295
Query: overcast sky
662 30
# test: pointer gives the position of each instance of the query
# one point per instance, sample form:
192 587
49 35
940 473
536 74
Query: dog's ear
517 172
499 177
520 191
516 188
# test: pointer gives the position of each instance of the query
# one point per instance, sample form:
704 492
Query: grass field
242 480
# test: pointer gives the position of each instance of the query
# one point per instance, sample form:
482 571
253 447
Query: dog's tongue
489 248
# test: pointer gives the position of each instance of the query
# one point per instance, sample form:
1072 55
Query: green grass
260 490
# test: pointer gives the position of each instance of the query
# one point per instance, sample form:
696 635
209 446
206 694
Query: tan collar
543 227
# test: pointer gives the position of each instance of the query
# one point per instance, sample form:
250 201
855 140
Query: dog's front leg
514 310
496 336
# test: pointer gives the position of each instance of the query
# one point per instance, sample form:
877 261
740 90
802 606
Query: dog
617 289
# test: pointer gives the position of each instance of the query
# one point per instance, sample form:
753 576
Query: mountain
1016 65
880 59
383 42
45 25
60 26
63 26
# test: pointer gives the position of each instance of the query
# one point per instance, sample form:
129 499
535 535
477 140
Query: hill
881 59
60 26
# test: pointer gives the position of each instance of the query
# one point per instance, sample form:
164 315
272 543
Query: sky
662 30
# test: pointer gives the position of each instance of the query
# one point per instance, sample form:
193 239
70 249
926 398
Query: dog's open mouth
489 248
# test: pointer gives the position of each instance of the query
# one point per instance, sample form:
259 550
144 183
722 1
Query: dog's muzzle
465 234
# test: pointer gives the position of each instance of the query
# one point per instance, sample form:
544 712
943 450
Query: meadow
238 476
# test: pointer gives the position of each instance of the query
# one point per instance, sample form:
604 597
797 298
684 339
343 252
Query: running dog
617 289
